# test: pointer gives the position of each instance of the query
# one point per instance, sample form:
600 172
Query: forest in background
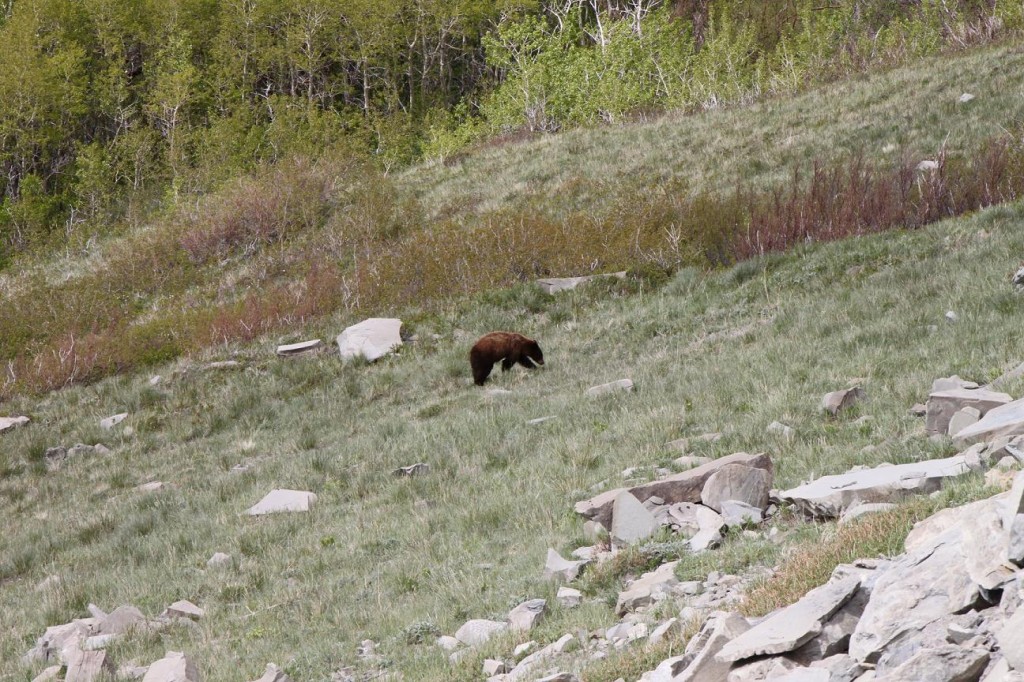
111 112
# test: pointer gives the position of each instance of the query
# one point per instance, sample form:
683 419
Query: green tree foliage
108 107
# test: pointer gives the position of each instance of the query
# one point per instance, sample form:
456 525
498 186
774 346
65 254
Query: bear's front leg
506 364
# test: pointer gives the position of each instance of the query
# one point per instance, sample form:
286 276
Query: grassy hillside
913 109
393 559
299 241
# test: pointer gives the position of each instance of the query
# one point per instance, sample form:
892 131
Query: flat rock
523 617
219 560
1011 640
631 522
622 385
112 421
476 632
86 666
829 496
646 589
942 405
273 674
963 418
292 349
685 486
691 461
224 364
539 420
703 649
183 609
739 514
553 285
568 598
865 509
749 485
151 487
174 667
1005 420
792 626
283 501
121 620
11 423
557 568
672 627
947 663
838 401
841 667
371 339
783 430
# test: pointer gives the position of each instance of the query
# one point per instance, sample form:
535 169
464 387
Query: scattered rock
494 667
150 487
1005 420
631 522
685 486
965 98
49 583
647 588
918 410
794 625
1018 281
737 514
372 339
672 627
702 525
557 568
539 420
47 675
86 666
859 510
568 598
829 496
690 461
111 422
476 632
837 401
764 669
703 649
749 485
122 620
553 285
224 364
273 674
523 617
787 432
622 385
183 609
963 418
283 501
293 349
942 405
841 668
174 667
951 316
1011 640
418 469
155 380
11 423
448 643
948 663
219 560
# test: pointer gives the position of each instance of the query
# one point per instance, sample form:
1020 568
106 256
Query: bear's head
534 352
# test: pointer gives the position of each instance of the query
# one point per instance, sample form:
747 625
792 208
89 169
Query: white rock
568 597
476 632
155 379
493 667
865 509
623 385
738 514
11 423
1006 420
283 501
292 349
183 609
372 339
965 98
273 674
418 469
539 420
557 568
523 617
837 401
448 643
786 432
174 667
963 418
111 422
150 487
794 625
219 560
829 496
631 522
553 285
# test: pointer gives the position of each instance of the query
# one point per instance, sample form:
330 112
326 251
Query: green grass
913 108
731 352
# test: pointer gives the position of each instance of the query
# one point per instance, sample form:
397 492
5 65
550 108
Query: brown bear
508 347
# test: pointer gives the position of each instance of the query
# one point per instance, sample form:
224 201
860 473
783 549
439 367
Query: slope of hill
398 560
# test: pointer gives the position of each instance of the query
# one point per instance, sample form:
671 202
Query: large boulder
283 501
686 486
942 405
793 626
631 522
371 339
829 496
1005 420
749 485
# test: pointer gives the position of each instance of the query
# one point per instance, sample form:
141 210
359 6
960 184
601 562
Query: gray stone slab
291 349
631 522
619 386
792 626
554 285
749 485
11 423
942 405
829 496
283 501
476 632
1006 420
371 339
